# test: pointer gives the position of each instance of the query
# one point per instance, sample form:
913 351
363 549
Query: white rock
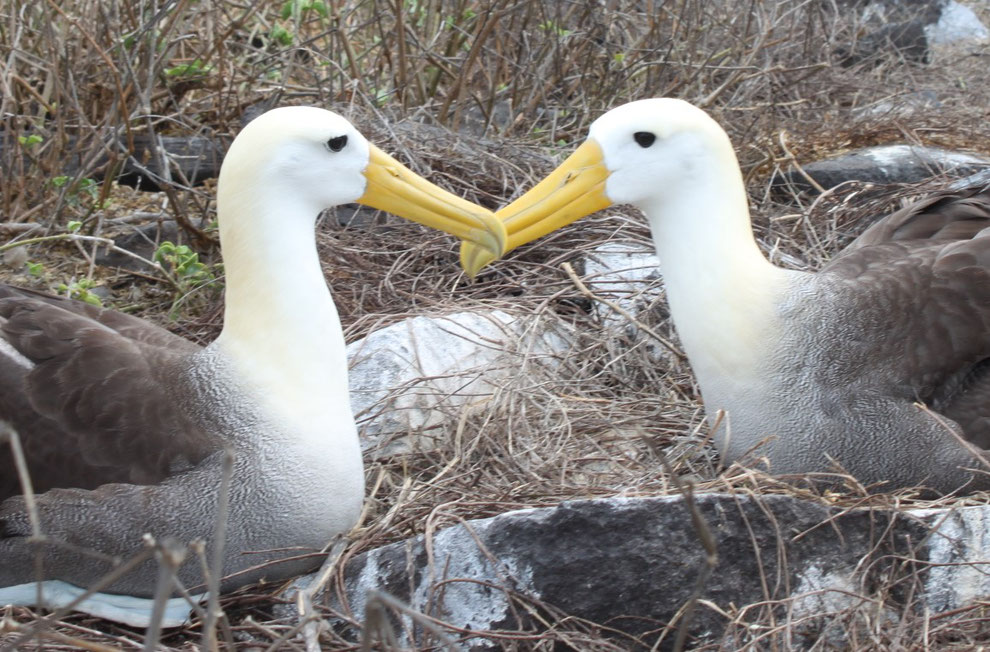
957 23
411 378
886 156
959 557
626 274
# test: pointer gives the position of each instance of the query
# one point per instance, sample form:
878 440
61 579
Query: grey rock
155 162
888 29
959 551
631 564
975 180
626 277
884 164
477 120
410 379
909 30
901 106
142 240
907 40
625 274
15 258
357 216
957 22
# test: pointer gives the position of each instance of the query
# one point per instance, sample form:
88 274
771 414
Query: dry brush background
480 96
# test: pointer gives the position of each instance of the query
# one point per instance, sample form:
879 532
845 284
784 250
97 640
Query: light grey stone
883 164
959 554
975 180
625 274
902 105
409 379
957 22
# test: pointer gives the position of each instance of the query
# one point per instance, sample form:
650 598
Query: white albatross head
641 153
309 159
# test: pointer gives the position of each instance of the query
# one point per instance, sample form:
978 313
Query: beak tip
474 258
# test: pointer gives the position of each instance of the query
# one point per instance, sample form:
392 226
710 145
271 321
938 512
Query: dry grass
480 95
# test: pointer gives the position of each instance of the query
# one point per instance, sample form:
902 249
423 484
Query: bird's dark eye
337 144
644 138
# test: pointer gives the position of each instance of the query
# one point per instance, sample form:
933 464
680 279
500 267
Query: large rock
629 566
975 180
956 22
627 276
908 30
410 378
884 164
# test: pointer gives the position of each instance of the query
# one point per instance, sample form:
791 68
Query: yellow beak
395 188
575 189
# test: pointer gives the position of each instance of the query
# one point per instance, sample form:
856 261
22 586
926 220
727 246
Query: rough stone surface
902 105
142 240
976 180
625 274
959 552
907 30
885 164
631 564
411 377
903 40
957 22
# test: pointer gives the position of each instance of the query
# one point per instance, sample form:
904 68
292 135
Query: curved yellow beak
575 189
395 188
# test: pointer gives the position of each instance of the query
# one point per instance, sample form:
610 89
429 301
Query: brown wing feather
949 215
932 260
110 399
129 326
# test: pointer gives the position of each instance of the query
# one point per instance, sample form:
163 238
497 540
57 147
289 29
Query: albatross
124 425
878 364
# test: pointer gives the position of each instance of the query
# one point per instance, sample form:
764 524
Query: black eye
337 144
644 138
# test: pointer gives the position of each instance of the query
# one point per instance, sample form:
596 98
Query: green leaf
282 36
193 69
90 187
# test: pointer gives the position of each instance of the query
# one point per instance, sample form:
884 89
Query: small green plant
27 142
184 269
76 193
296 8
184 266
80 290
35 269
451 21
295 11
380 96
195 69
551 27
282 36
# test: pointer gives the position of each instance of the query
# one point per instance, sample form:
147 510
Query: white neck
722 291
281 327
